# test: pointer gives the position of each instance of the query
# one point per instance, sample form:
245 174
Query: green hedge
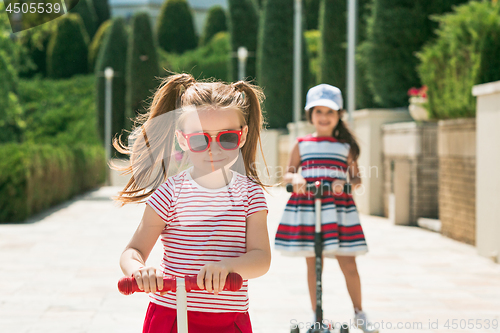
34 177
205 62
59 111
462 56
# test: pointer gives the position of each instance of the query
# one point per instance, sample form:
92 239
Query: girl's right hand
149 279
299 184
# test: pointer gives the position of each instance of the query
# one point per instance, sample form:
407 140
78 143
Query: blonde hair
175 92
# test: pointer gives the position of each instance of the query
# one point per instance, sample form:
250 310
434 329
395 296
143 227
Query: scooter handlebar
311 187
127 285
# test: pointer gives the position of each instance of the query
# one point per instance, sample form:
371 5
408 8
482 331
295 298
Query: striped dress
322 158
204 226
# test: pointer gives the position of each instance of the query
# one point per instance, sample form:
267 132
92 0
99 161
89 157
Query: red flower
413 91
421 92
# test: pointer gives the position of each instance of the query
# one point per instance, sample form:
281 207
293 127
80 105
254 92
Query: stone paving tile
60 271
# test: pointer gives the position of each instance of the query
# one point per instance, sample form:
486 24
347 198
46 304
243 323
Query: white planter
417 110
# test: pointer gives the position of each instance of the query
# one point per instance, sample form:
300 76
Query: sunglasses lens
229 141
198 142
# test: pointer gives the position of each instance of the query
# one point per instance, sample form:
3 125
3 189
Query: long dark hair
342 133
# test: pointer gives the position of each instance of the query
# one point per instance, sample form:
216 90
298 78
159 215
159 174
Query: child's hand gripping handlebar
128 285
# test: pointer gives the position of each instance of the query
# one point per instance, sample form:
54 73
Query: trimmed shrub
34 177
209 61
142 66
275 61
96 44
101 10
332 50
68 48
175 29
215 22
86 12
243 22
396 30
460 58
113 54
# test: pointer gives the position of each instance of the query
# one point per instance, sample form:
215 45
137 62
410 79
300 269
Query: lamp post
297 67
108 75
242 62
351 60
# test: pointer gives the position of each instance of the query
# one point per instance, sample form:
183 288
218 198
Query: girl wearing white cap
329 154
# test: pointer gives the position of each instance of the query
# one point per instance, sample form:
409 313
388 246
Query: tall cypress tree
85 10
312 14
332 54
96 43
68 48
243 22
142 66
396 30
215 22
113 53
175 28
101 9
275 61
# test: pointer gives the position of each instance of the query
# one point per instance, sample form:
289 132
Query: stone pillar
487 169
368 132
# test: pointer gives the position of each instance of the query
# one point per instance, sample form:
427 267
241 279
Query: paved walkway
59 273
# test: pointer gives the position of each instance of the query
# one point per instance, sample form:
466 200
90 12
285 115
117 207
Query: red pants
160 319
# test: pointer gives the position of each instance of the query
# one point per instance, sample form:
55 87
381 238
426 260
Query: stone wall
457 179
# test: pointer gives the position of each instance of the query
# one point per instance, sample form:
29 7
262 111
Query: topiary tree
85 10
68 48
312 14
391 61
243 22
175 29
142 66
275 61
113 53
101 10
332 50
215 22
96 44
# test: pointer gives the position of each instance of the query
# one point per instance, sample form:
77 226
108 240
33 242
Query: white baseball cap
324 95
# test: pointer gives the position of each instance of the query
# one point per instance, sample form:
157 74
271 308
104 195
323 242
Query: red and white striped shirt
204 226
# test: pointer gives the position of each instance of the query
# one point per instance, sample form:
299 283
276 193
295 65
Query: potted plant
418 101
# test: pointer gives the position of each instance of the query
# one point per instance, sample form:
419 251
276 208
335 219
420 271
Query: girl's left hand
214 275
338 186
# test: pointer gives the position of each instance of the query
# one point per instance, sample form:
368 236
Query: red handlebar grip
234 281
127 285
